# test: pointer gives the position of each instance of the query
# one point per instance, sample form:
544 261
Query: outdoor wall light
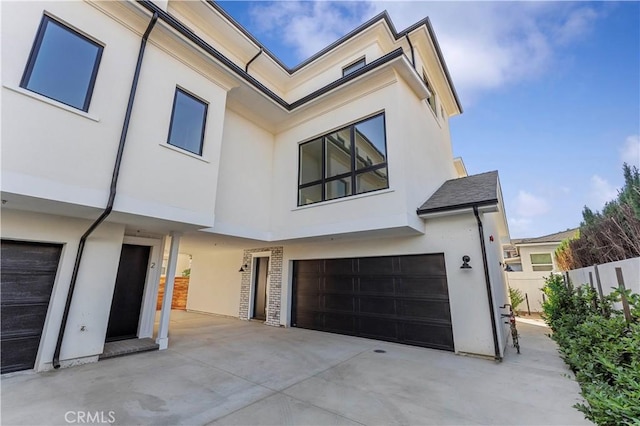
465 262
244 268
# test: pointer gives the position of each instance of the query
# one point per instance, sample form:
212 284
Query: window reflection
354 162
63 65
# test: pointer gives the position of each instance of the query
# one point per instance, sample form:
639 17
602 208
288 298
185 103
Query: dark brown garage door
27 277
401 299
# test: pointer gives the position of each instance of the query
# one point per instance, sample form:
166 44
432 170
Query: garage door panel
308 266
338 284
422 265
422 286
306 283
338 302
339 323
308 319
431 335
19 353
29 257
308 301
375 265
23 320
338 266
21 287
379 328
376 286
377 305
424 309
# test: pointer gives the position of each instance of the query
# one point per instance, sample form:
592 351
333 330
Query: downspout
246 68
487 281
112 192
413 55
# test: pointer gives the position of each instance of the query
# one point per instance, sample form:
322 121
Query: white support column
163 329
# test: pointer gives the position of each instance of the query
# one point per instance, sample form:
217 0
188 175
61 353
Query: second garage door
401 299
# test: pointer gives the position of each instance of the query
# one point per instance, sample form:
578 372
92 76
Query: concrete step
128 347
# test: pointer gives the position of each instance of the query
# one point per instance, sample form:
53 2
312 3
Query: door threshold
128 347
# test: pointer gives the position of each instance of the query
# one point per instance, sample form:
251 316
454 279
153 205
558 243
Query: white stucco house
323 196
528 261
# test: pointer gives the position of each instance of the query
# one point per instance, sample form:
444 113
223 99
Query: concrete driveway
226 371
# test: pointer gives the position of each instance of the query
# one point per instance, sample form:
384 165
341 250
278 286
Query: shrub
600 347
516 297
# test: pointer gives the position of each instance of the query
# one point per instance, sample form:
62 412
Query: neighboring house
324 196
528 261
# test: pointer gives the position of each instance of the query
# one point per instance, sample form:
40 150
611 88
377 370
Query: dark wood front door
260 288
28 274
402 299
127 295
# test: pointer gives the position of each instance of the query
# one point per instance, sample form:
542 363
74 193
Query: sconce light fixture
465 262
244 268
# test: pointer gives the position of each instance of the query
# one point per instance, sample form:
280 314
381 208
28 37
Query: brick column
274 291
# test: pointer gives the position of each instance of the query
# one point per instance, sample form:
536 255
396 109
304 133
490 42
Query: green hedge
599 347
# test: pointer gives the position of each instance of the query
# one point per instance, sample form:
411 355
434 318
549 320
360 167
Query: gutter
413 55
112 193
485 263
246 67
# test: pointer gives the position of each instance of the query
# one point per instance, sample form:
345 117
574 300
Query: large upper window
541 262
63 65
188 121
349 161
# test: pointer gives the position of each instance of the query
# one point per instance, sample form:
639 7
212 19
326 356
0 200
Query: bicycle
512 326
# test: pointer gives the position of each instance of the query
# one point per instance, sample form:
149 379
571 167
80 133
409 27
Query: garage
27 278
402 299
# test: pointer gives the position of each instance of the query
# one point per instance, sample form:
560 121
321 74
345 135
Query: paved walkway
226 371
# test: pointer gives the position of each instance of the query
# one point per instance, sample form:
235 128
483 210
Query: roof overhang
490 206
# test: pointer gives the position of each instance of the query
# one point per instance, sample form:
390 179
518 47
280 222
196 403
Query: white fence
630 269
530 283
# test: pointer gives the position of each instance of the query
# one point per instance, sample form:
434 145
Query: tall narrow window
432 98
188 121
353 67
63 65
349 161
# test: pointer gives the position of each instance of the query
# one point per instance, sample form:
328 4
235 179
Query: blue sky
550 90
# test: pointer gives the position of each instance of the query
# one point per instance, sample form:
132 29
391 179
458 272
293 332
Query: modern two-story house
324 196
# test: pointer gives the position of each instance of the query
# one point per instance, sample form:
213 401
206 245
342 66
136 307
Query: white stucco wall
94 287
69 155
527 251
529 283
608 279
214 286
243 206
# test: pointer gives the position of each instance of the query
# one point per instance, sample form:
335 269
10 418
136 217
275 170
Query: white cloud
600 192
486 44
520 226
528 205
630 151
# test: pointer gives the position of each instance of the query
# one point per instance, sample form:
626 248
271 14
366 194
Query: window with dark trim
432 98
348 161
354 67
188 120
63 64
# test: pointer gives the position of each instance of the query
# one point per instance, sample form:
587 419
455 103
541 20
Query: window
63 65
353 67
187 122
349 161
432 99
542 262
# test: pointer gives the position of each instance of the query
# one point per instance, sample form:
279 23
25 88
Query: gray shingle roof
551 238
454 194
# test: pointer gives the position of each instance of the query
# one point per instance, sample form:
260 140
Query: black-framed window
354 67
188 120
63 64
432 98
349 161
